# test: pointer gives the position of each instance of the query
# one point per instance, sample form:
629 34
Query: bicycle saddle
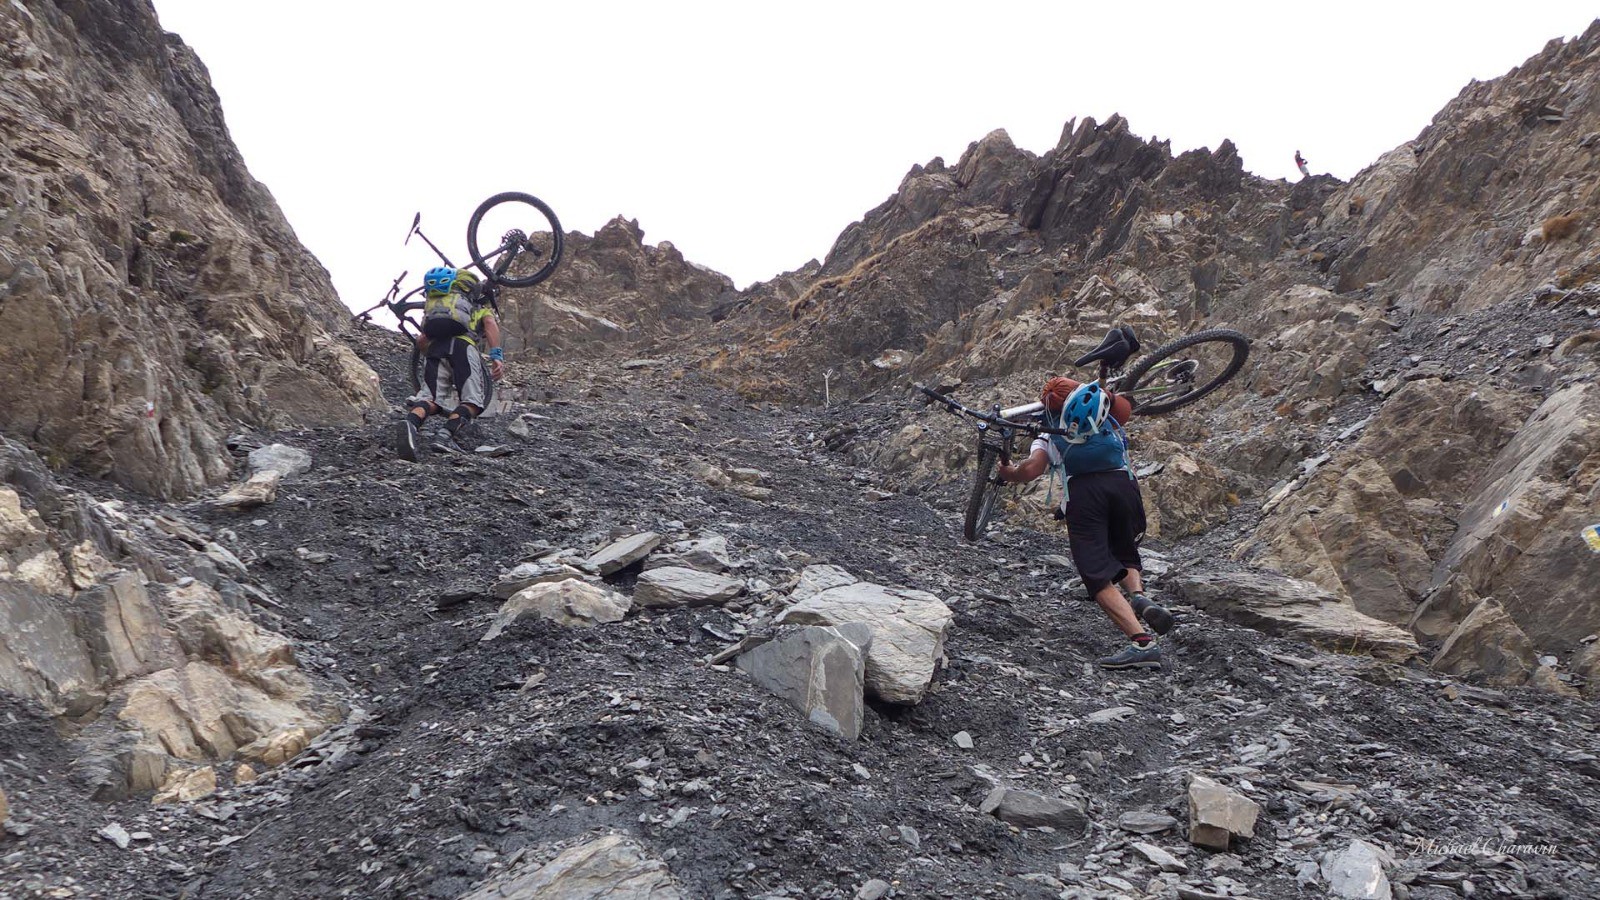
1119 344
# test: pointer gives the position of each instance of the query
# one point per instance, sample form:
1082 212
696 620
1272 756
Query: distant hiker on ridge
1100 501
455 319
1300 163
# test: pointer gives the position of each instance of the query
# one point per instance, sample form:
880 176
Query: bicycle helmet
439 279
1085 412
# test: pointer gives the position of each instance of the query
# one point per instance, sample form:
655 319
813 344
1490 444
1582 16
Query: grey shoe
1153 614
407 442
1134 657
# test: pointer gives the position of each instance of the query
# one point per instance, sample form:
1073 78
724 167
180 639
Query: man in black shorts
1103 508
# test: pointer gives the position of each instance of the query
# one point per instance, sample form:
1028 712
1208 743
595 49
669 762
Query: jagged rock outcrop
138 637
613 293
151 291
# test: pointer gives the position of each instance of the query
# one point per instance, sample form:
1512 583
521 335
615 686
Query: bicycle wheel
1179 373
985 495
517 225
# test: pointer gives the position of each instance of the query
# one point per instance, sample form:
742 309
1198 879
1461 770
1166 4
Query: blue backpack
1104 451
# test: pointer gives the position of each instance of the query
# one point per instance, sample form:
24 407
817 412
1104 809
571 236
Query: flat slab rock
611 867
679 586
819 671
1026 809
620 554
1288 607
908 630
571 602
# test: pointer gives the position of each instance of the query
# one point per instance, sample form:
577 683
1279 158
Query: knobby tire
985 494
1241 351
548 265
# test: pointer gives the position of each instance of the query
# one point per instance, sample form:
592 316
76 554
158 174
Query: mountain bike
1171 377
527 252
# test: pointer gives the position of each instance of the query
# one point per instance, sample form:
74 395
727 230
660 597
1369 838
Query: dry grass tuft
1557 227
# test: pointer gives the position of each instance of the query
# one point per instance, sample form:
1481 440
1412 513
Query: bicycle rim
1183 371
538 250
416 369
984 497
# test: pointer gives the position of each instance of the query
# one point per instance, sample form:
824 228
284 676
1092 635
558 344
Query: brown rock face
151 293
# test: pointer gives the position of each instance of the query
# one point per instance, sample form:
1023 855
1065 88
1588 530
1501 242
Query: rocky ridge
153 295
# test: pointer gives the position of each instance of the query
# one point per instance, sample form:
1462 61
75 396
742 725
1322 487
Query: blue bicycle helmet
439 279
1085 411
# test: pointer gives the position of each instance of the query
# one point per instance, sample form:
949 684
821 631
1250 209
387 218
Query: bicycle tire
1241 351
985 494
552 256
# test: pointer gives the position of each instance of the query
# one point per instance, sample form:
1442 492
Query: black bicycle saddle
1119 344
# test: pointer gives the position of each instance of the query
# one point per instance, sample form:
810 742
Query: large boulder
819 671
908 630
1288 607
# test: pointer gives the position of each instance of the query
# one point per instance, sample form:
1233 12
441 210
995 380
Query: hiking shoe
1153 614
1134 657
459 435
407 442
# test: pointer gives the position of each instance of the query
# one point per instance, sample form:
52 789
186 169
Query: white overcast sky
751 133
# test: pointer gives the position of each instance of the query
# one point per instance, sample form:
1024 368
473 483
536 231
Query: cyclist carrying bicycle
1100 500
458 316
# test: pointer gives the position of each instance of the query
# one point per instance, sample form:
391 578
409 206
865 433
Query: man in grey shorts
454 324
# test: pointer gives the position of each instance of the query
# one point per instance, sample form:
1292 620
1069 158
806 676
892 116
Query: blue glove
497 354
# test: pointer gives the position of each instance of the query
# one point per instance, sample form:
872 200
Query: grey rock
1357 872
963 740
675 586
612 867
1217 813
1111 714
620 554
526 575
1161 858
876 889
281 458
1145 822
708 554
908 629
816 579
818 670
1026 809
116 834
1288 607
259 490
571 602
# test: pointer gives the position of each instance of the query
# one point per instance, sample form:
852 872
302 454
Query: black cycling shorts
1105 523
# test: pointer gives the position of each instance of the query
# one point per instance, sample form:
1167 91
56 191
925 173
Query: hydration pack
1104 451
447 315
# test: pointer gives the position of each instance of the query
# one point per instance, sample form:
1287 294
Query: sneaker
407 442
1134 657
460 433
1153 614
